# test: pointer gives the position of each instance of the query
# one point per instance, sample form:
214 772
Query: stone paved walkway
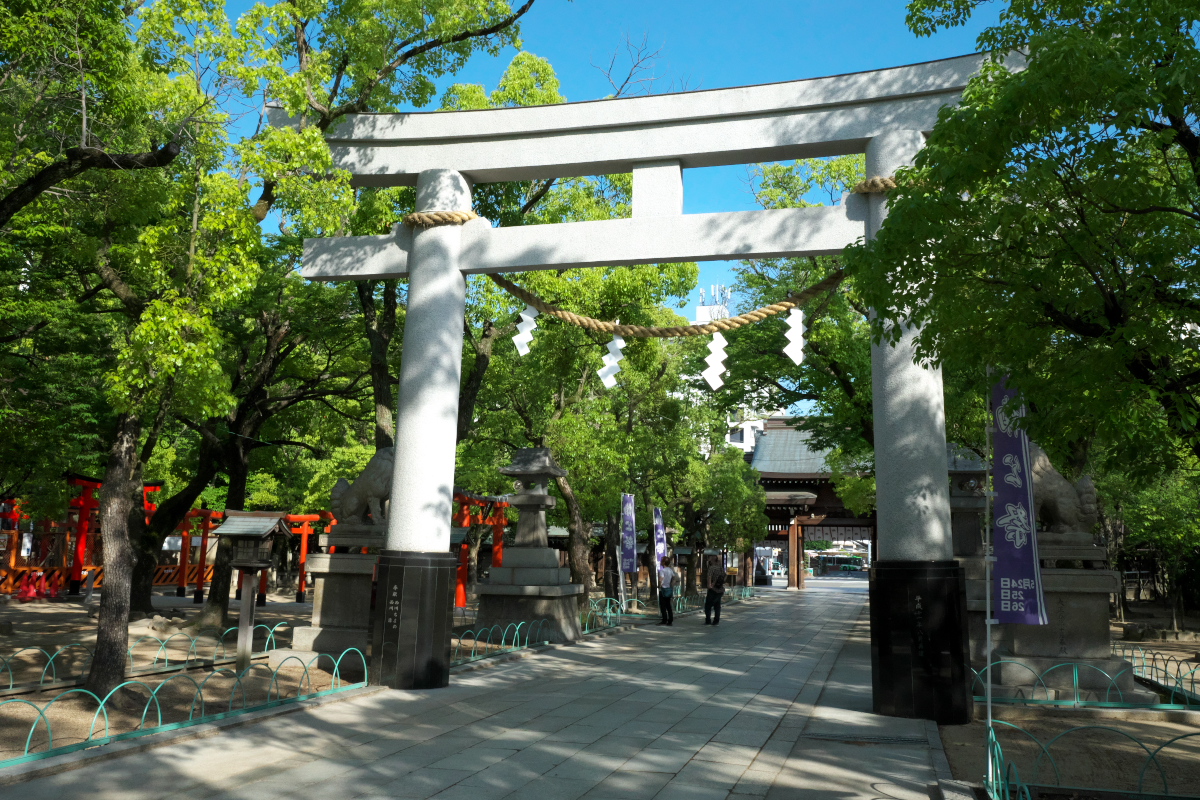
772 703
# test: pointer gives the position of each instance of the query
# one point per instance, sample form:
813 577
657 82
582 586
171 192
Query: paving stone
616 745
587 766
701 713
622 785
553 789
742 736
658 760
754 783
710 774
425 782
510 774
690 791
582 733
473 759
728 753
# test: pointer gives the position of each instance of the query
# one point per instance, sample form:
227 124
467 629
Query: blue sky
706 44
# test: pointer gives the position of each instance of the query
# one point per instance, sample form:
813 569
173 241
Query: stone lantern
251 536
531 586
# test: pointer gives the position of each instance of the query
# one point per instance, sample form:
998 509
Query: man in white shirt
667 579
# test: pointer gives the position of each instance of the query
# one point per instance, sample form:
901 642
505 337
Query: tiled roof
787 450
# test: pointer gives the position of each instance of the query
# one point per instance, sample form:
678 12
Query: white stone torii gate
883 113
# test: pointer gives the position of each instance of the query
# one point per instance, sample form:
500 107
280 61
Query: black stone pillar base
919 641
413 616
181 591
74 590
198 596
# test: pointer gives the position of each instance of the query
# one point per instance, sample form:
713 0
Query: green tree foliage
168 275
1160 517
78 94
1049 227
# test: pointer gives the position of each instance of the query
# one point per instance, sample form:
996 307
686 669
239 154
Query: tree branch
77 161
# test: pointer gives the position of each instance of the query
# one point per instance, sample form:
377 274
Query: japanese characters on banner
660 537
1017 575
628 535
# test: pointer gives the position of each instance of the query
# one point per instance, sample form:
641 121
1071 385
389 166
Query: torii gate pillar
918 602
410 642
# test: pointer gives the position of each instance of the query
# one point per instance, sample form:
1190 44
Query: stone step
528 576
530 558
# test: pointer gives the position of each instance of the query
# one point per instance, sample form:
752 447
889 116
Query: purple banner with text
1017 574
660 537
628 535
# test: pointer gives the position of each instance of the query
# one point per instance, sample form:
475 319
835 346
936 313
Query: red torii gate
491 512
86 503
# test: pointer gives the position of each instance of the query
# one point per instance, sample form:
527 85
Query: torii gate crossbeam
918 628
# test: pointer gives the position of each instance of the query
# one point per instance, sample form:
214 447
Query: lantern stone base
532 589
549 617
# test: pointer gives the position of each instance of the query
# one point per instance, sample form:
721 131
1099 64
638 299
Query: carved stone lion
1062 506
370 492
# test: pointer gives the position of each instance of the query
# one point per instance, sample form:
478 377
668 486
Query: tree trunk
380 329
612 557
474 540
474 378
118 503
146 549
578 542
165 521
690 525
216 605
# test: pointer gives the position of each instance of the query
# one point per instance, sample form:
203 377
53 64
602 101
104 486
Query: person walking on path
667 578
715 581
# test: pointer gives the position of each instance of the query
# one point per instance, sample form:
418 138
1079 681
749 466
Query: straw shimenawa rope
431 219
643 332
878 184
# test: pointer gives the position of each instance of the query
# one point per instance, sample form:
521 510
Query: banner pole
988 558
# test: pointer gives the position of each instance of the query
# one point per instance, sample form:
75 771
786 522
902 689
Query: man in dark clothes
667 579
715 581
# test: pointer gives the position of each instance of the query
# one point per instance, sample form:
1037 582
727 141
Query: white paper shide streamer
525 330
608 374
715 361
795 336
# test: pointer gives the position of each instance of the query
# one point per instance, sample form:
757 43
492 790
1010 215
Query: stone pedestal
342 597
531 587
1048 661
414 616
919 641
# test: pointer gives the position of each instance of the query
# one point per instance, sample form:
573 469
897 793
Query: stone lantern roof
534 464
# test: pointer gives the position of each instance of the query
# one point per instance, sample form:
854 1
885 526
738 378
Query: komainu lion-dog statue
1062 506
371 492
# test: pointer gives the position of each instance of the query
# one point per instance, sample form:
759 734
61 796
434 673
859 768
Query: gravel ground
74 715
1101 757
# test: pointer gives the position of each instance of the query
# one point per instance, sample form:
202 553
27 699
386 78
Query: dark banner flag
660 537
628 535
1017 574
